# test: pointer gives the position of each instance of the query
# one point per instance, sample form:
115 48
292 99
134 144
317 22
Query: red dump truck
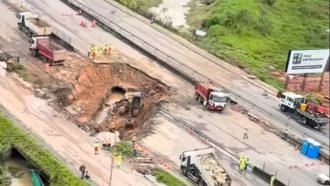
49 51
213 97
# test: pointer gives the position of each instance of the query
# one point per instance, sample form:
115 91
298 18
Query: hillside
257 34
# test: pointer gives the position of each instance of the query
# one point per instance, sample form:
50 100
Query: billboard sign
307 61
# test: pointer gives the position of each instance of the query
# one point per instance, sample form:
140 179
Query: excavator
134 103
11 61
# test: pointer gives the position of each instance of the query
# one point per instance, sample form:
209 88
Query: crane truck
309 114
202 167
31 25
215 99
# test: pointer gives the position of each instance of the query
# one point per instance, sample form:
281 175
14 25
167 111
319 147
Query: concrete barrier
265 176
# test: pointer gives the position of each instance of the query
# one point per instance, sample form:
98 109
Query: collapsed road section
113 97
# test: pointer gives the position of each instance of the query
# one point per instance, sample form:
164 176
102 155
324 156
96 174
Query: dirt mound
88 99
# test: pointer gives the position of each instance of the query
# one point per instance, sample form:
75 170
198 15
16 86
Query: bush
123 148
166 178
270 2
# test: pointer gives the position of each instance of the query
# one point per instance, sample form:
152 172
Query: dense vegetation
38 156
257 34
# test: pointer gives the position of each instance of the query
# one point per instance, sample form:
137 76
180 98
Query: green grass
123 148
140 6
59 174
256 35
165 177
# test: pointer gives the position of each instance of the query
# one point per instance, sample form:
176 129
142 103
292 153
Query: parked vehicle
323 179
202 167
49 51
216 100
307 113
32 26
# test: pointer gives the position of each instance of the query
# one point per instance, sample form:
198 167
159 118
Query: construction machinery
202 167
299 107
134 102
31 25
215 99
11 61
49 51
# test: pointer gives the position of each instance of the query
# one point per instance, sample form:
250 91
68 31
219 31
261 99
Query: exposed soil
311 85
95 96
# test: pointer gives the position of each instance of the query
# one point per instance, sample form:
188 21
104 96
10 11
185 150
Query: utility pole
112 161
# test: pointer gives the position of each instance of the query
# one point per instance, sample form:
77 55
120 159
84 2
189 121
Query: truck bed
38 22
38 26
217 174
51 50
320 119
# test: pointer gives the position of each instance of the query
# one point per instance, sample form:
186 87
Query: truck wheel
30 34
200 99
35 53
283 108
184 171
196 96
327 182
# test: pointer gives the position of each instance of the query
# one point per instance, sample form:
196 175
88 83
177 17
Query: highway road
197 64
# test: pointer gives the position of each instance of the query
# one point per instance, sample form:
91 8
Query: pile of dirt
87 97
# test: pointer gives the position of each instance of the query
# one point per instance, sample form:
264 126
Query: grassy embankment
257 34
59 174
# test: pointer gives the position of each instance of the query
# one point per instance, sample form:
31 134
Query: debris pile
215 171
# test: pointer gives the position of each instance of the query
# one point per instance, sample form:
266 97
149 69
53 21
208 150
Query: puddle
115 96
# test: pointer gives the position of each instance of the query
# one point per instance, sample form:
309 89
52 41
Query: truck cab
217 100
211 96
290 100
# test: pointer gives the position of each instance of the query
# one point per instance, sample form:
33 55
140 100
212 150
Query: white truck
202 167
31 25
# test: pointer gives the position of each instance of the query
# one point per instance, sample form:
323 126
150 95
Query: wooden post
321 82
304 83
286 82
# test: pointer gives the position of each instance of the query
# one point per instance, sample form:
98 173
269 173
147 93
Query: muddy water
109 103
24 180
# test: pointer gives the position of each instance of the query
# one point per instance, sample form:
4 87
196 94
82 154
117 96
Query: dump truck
31 25
211 96
202 167
299 108
49 51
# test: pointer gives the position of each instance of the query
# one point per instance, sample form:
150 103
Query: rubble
215 171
